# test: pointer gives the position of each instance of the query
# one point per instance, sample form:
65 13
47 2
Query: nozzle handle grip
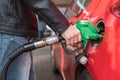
61 39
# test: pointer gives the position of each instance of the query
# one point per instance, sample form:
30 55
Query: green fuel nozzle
88 31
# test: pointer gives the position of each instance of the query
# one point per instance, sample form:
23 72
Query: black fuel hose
29 47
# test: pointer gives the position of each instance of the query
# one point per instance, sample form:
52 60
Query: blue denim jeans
21 68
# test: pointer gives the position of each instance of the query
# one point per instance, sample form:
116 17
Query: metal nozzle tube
46 41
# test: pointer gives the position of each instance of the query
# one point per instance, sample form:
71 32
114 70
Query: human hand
74 46
72 35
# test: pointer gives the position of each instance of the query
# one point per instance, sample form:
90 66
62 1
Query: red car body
103 60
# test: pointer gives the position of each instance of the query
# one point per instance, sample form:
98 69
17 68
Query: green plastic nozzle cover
88 31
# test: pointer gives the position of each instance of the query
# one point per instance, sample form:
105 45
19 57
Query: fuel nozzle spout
100 36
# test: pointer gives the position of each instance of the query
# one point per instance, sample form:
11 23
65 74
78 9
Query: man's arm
54 18
50 14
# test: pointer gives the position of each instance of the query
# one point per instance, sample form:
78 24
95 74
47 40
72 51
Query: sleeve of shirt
47 10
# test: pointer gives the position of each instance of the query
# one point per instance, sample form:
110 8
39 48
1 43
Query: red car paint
104 60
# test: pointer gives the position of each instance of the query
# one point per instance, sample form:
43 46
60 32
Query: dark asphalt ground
42 64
